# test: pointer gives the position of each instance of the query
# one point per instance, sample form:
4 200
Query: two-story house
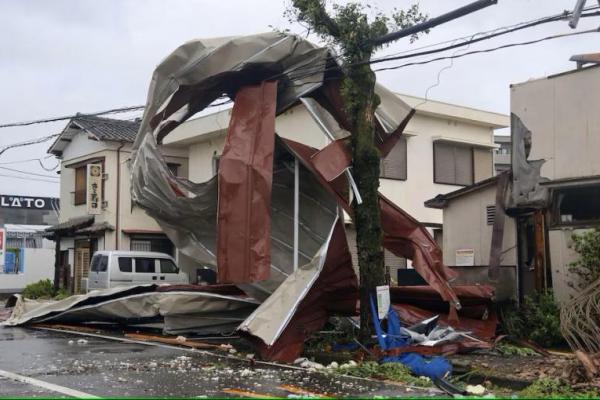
112 222
444 147
560 115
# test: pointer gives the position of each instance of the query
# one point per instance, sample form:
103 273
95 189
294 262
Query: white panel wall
38 264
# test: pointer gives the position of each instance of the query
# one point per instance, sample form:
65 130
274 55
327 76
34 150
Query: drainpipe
118 208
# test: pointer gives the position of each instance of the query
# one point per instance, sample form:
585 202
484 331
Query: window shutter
80 185
393 166
444 163
463 158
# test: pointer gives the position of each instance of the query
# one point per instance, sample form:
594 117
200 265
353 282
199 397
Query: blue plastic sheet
431 367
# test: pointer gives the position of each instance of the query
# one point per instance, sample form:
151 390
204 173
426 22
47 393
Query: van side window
145 265
168 267
125 264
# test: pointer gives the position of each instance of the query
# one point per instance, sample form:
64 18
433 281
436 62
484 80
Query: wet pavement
102 367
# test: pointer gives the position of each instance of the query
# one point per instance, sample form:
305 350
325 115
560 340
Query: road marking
47 385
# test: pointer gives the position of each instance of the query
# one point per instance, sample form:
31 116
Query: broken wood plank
248 394
174 341
591 370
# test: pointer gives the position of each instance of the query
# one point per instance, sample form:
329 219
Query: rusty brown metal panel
333 159
245 181
335 292
540 250
403 235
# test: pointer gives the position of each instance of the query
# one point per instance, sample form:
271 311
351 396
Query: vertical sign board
2 246
383 301
94 189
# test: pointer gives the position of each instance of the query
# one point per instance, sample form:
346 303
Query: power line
55 119
28 173
28 142
26 160
28 179
489 50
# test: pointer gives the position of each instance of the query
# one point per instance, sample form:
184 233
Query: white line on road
47 385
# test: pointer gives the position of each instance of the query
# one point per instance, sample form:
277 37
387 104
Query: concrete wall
562 113
465 227
38 264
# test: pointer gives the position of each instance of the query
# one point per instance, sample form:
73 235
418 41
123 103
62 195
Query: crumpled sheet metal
245 181
190 79
326 286
192 310
526 189
403 235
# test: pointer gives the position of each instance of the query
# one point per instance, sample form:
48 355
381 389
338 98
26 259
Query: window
144 265
168 267
125 264
576 205
174 168
215 163
393 166
99 263
452 164
80 185
156 243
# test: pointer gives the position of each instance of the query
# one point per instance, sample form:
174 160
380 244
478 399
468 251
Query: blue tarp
431 367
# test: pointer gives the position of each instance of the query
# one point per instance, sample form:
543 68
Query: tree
352 32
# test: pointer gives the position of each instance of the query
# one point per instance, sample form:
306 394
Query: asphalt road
32 361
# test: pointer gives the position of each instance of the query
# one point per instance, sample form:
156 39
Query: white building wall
38 264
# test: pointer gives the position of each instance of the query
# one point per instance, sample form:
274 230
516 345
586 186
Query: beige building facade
119 224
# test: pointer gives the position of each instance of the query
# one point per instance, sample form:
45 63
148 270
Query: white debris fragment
226 346
300 360
232 351
152 364
246 372
71 342
250 356
82 341
181 339
476 390
311 364
120 379
333 365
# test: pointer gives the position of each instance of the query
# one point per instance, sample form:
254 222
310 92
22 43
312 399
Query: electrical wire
26 160
28 179
29 173
28 142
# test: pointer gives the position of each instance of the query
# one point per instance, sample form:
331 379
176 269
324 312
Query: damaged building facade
556 131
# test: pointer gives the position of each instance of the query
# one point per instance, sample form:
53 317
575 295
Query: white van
109 269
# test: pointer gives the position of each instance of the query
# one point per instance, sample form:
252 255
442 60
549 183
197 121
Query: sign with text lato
94 188
28 202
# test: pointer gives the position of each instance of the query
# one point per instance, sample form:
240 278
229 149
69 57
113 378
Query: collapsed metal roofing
245 220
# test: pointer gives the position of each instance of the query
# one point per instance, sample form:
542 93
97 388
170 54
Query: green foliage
44 289
508 349
39 289
554 389
587 245
387 371
538 320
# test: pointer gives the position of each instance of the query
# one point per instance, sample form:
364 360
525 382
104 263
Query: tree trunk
360 102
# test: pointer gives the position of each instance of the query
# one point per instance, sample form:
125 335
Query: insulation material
245 179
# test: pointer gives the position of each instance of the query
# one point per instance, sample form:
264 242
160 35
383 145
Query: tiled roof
108 128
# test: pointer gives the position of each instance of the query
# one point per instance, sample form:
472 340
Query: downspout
118 208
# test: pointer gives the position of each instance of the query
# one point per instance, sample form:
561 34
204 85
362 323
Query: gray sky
63 56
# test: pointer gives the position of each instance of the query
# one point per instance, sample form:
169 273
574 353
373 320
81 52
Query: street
44 363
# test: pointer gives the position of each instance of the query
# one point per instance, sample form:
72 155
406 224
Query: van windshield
99 263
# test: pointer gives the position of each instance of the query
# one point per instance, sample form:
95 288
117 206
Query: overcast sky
63 56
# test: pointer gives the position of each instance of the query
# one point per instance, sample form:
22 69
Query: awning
134 231
95 228
474 143
69 227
